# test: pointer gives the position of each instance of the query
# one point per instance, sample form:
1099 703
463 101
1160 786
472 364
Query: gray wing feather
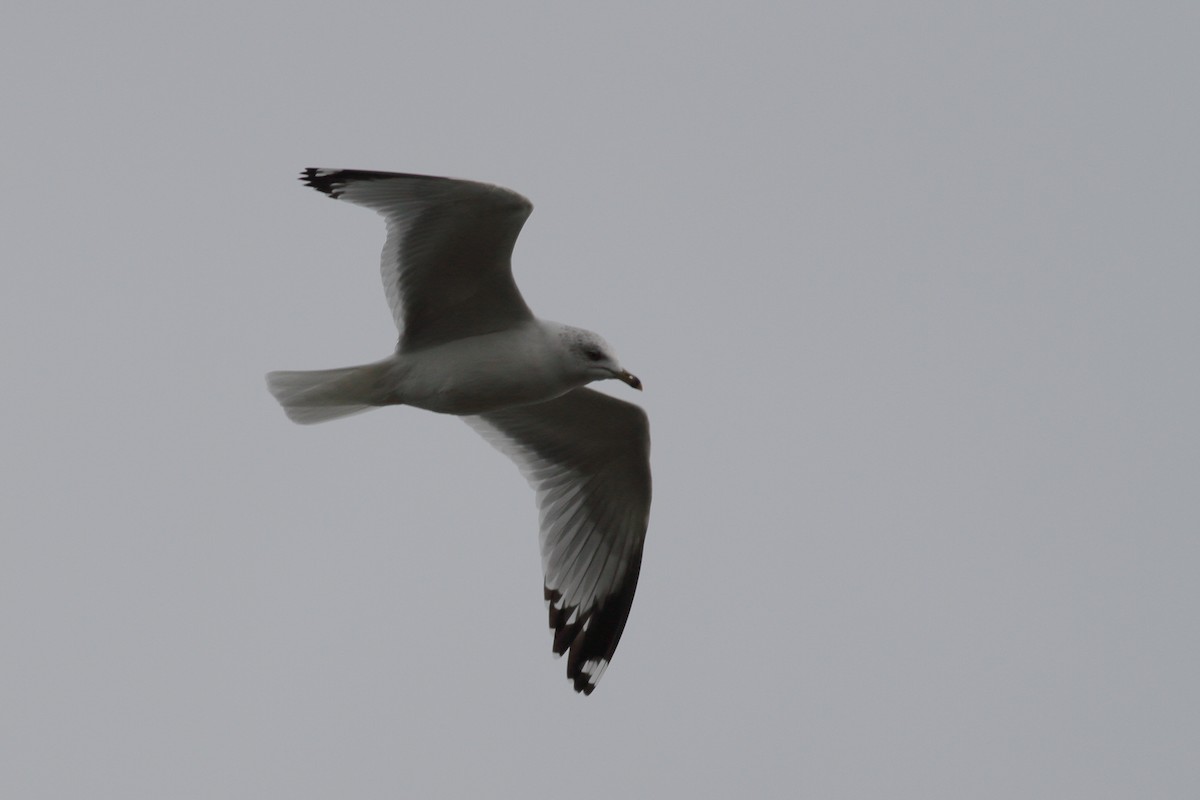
447 261
587 456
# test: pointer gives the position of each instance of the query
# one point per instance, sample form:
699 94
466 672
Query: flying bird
470 346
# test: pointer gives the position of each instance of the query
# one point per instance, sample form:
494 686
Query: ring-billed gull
470 346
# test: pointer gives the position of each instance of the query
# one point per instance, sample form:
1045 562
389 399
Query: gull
470 346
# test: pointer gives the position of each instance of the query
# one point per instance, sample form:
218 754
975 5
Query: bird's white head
589 356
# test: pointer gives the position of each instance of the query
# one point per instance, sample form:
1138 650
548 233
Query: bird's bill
626 377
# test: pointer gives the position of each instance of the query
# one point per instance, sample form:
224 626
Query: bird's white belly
468 377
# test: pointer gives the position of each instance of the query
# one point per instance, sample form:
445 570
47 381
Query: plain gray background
913 290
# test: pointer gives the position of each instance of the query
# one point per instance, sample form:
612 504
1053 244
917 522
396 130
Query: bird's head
593 358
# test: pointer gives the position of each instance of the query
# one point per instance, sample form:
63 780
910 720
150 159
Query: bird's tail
319 395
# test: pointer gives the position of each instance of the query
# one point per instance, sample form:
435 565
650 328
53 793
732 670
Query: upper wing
446 265
588 457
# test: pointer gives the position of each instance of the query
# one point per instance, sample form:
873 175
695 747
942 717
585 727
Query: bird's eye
593 355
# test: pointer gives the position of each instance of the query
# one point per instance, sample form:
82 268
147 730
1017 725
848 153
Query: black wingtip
333 182
592 638
329 181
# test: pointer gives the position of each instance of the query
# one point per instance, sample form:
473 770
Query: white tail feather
320 395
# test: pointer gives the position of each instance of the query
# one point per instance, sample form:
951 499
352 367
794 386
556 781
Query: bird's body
470 346
460 376
477 382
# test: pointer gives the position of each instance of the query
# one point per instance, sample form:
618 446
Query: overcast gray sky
913 291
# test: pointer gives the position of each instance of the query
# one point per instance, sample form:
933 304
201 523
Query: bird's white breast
484 373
